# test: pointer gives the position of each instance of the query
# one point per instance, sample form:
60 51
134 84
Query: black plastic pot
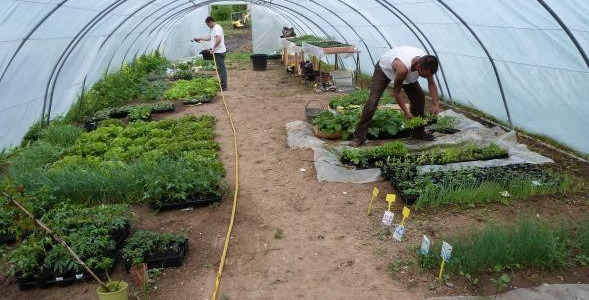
259 61
206 55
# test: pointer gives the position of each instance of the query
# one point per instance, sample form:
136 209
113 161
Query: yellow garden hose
233 210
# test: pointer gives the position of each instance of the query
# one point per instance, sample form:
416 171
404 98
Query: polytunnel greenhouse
334 149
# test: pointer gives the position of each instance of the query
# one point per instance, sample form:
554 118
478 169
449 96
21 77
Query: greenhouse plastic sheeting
50 50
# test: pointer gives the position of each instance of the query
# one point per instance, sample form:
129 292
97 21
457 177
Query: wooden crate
334 50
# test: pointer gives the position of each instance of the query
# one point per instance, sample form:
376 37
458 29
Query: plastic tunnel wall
525 57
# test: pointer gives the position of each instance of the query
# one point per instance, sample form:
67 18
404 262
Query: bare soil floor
329 248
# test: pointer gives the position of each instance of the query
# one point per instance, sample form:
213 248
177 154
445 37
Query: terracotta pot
138 274
329 136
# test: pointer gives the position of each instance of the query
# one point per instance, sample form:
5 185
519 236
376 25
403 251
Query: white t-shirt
218 31
405 54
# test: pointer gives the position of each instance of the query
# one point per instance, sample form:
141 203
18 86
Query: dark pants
220 58
379 83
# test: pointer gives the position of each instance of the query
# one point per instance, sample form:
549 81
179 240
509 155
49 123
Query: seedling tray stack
49 280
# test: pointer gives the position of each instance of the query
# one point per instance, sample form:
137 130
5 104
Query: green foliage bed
385 122
144 79
91 232
168 160
196 88
528 243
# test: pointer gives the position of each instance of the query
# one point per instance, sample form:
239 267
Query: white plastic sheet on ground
300 136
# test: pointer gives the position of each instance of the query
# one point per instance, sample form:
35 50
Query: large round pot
120 294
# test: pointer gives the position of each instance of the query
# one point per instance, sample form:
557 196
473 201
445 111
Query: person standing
402 65
218 49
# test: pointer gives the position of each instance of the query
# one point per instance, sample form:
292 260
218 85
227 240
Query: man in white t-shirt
402 65
218 49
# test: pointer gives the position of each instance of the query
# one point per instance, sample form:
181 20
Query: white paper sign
399 232
425 243
387 218
446 251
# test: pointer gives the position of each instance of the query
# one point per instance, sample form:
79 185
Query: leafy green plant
142 113
135 81
357 99
146 244
501 283
445 124
197 87
143 292
278 234
385 122
368 157
329 122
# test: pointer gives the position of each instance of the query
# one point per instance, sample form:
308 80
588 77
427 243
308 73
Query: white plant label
399 232
425 243
446 251
58 279
387 218
79 276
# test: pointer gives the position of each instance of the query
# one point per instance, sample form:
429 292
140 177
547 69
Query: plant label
425 243
387 218
374 195
446 251
406 212
399 232
79 276
390 199
58 279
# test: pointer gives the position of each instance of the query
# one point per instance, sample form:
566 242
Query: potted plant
138 272
112 290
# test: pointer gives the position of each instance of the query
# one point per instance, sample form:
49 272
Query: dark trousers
379 83
220 58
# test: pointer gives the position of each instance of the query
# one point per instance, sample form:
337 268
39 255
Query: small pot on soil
138 274
118 288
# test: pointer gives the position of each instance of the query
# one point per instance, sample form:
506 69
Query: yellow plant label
375 192
390 199
406 212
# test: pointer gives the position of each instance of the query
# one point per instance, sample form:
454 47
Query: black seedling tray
186 203
164 260
71 278
7 239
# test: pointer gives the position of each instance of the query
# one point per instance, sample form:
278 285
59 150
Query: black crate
197 201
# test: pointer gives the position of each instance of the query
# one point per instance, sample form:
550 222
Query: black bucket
206 55
259 61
